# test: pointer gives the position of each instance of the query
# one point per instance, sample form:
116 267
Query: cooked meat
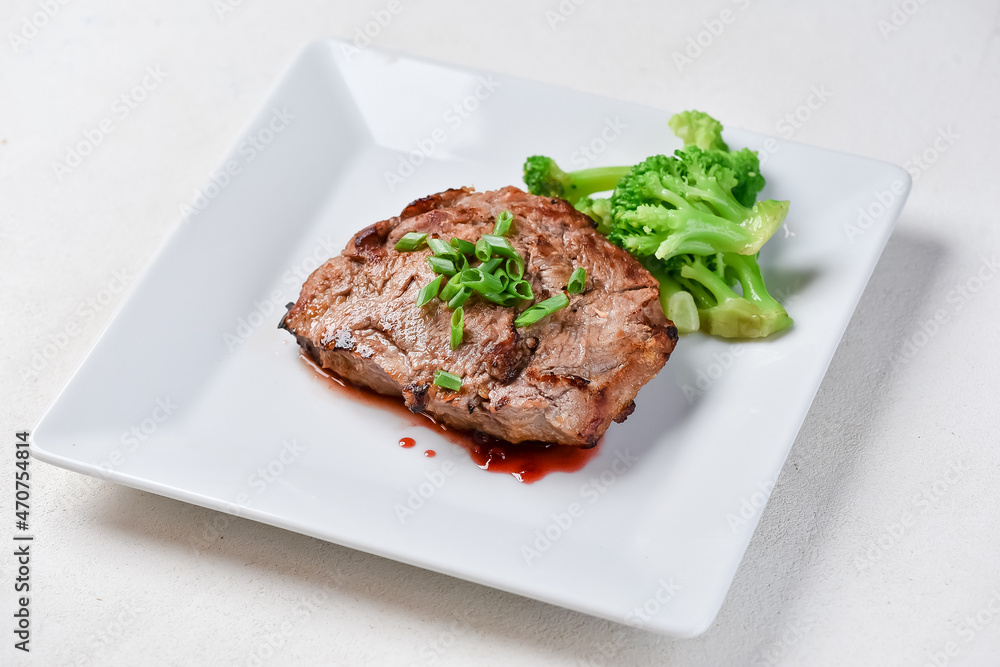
561 380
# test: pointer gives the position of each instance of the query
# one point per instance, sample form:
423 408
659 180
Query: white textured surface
116 580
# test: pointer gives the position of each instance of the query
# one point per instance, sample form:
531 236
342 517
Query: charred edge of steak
283 324
369 243
431 202
624 414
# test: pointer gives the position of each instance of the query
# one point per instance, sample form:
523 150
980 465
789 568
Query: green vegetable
577 280
599 211
451 289
442 265
542 309
442 248
457 328
699 129
429 291
490 266
694 221
522 290
447 380
544 177
503 223
464 247
410 241
515 267
461 296
481 282
483 250
499 246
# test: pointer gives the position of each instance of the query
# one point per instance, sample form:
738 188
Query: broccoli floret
599 211
699 129
544 177
685 204
694 221
723 312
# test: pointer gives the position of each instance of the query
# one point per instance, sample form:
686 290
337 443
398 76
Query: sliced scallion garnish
429 291
542 309
442 265
411 241
447 380
457 327
503 223
577 280
463 246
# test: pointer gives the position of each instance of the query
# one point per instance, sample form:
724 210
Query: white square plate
193 393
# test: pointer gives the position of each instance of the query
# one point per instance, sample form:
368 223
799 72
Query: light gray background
903 428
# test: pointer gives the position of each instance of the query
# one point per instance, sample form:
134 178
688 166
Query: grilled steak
561 380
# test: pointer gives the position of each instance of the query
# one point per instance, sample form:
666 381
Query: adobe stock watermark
751 505
587 153
71 327
562 12
774 650
958 296
364 34
433 650
121 108
563 521
258 482
224 7
794 120
967 631
32 24
642 614
276 637
454 118
265 310
605 653
138 434
710 374
703 40
417 496
248 150
899 16
894 532
110 634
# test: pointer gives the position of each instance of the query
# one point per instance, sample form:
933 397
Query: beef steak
562 380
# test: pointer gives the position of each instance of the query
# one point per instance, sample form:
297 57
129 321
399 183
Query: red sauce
527 462
430 453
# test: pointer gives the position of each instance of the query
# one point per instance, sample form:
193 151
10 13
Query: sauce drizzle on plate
527 462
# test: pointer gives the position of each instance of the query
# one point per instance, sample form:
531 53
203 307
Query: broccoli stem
586 182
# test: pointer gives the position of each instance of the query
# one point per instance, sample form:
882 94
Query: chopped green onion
542 309
429 291
522 290
463 246
490 266
460 297
457 328
483 250
504 279
481 282
503 223
442 265
447 380
452 287
577 280
505 299
411 241
498 246
442 248
515 267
